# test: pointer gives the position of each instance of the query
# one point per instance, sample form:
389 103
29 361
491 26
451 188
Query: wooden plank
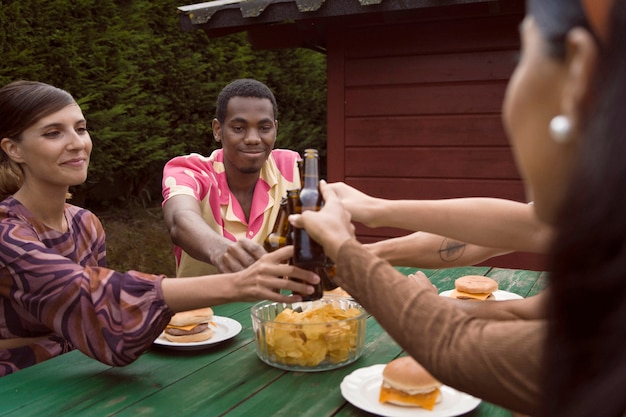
444 279
435 162
431 188
335 120
452 35
36 384
435 68
244 389
306 387
407 270
541 284
447 130
426 99
113 390
517 281
518 260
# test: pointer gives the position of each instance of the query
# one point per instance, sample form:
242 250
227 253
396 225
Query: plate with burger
197 329
478 288
403 388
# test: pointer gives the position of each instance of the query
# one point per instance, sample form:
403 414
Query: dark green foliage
147 88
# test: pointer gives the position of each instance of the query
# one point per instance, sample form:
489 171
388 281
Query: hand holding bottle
331 226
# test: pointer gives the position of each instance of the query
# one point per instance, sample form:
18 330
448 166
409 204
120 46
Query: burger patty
179 332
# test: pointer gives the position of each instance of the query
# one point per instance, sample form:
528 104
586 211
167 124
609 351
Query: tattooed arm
426 250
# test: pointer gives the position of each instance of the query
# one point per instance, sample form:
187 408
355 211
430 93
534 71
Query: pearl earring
560 128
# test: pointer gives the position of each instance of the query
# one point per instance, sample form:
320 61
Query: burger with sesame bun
407 383
190 326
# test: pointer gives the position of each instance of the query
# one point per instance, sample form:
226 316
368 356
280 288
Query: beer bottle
308 254
278 236
292 198
301 171
293 207
326 274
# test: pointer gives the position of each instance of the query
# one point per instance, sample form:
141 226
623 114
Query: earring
560 128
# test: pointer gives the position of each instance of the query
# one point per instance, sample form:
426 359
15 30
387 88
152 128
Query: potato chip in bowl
309 336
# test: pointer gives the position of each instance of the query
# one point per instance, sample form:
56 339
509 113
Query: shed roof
274 24
240 14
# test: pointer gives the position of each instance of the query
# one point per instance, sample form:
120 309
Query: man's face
248 133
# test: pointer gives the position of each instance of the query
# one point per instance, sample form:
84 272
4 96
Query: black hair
245 87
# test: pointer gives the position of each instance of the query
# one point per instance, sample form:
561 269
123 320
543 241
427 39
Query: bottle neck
311 175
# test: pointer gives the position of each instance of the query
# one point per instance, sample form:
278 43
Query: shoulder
82 215
285 159
192 161
11 210
285 154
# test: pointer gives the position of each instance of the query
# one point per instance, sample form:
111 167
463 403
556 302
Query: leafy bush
147 88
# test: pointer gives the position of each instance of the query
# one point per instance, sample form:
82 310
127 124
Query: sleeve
498 361
191 175
110 316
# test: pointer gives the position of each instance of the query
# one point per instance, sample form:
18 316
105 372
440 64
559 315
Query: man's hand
237 256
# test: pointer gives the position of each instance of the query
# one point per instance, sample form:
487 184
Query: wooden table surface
227 379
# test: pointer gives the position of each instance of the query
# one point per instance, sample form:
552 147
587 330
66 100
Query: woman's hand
361 206
262 280
266 277
331 226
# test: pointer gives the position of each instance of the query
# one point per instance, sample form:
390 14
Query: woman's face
533 98
54 152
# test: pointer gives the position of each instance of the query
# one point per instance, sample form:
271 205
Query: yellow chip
310 337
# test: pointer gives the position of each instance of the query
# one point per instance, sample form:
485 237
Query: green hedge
147 88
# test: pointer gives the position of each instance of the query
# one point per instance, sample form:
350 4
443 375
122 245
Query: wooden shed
415 90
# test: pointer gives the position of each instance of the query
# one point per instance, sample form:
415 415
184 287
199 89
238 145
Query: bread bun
474 288
408 375
190 338
185 318
190 326
476 284
408 383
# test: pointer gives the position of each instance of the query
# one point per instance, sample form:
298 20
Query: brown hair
23 103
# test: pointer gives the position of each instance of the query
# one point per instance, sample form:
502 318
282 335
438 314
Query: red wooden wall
414 108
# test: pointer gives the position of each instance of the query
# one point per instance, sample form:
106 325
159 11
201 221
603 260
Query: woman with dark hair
56 293
562 112
586 349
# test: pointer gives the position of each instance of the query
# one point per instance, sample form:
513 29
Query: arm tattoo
451 250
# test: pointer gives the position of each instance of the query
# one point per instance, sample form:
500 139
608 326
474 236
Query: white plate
227 328
362 387
499 294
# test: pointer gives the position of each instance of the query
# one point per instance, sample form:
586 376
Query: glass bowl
309 336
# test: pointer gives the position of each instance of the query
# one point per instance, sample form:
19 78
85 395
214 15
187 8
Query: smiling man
219 209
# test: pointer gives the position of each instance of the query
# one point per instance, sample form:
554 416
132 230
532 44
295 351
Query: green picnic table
227 379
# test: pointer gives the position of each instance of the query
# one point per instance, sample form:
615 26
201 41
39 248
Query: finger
279 255
307 276
238 257
295 286
253 249
327 191
229 265
296 220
